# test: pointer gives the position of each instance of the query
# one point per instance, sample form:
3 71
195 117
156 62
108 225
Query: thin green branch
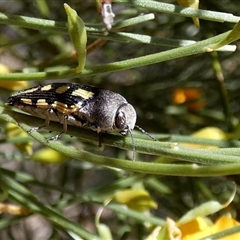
49 25
60 27
197 48
206 156
202 141
135 214
141 38
169 149
32 23
182 11
134 20
152 168
223 92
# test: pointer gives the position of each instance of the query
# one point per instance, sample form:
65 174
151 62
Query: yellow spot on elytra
64 108
62 89
26 101
82 93
29 90
61 107
46 88
41 103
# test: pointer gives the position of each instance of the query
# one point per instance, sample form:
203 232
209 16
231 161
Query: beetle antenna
133 145
146 133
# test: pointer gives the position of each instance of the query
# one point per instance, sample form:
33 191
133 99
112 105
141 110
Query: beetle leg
56 137
46 124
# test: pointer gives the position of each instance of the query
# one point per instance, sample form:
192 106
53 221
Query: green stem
182 11
134 214
61 28
223 92
169 149
197 48
154 168
32 23
206 156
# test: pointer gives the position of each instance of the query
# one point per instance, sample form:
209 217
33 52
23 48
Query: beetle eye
120 120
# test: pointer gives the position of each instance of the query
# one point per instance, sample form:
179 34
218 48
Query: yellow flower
213 133
11 85
49 155
13 131
137 199
201 227
191 97
197 228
